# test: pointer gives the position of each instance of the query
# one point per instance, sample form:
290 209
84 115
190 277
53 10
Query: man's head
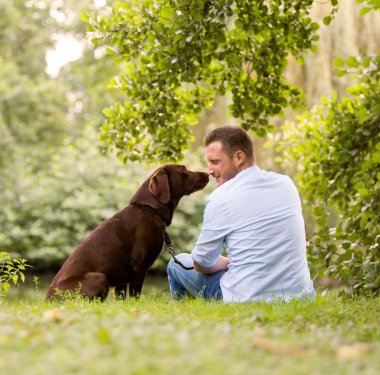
229 150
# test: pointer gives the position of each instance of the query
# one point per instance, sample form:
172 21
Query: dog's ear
159 186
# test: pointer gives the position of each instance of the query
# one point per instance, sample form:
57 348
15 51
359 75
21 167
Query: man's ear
159 186
240 157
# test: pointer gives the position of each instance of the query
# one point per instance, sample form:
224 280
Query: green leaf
342 73
327 20
167 12
364 11
322 220
83 16
5 286
376 157
319 210
314 26
110 51
346 245
352 62
364 220
314 48
338 62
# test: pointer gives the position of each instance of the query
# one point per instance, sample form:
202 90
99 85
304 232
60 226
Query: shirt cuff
202 262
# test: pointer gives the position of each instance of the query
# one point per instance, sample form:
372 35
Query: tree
28 110
39 118
178 55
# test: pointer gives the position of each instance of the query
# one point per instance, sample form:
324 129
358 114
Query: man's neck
246 165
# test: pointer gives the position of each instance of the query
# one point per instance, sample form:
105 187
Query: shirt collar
248 170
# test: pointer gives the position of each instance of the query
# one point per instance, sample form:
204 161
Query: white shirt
258 216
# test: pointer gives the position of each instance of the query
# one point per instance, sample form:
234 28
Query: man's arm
220 265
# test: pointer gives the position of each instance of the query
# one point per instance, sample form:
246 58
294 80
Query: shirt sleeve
212 237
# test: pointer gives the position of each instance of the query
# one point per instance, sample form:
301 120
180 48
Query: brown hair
232 138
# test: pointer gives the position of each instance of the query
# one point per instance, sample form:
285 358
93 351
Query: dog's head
166 186
172 181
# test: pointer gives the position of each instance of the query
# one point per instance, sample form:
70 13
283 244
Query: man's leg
191 282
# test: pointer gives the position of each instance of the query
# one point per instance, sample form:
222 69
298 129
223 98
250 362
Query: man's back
258 215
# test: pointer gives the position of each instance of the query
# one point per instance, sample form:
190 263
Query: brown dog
121 249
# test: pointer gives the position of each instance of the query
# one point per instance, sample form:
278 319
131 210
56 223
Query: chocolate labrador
120 251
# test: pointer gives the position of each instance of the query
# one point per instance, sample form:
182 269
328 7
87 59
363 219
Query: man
257 215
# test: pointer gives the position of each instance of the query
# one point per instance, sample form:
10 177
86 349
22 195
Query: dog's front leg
121 291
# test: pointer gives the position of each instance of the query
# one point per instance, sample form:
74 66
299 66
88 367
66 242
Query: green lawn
155 335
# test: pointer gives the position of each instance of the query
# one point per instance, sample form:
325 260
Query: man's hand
220 265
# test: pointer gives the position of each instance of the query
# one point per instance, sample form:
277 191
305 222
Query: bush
337 152
11 272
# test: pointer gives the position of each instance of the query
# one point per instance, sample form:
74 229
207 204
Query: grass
155 335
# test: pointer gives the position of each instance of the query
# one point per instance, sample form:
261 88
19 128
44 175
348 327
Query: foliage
11 271
161 336
32 106
370 5
178 55
46 214
337 153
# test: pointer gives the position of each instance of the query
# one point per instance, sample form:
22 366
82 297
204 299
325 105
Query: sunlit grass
155 335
